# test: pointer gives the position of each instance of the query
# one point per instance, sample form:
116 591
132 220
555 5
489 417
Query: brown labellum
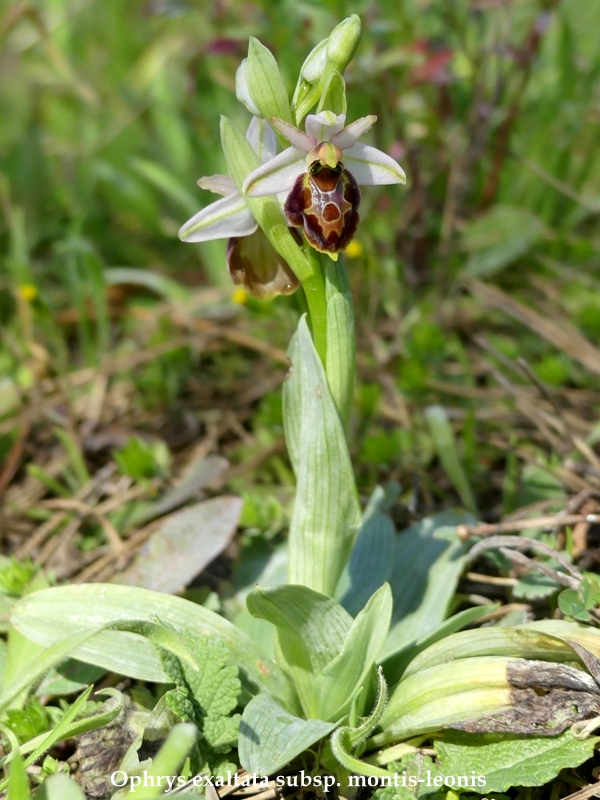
254 264
324 203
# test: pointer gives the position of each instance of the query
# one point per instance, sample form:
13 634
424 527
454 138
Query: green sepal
241 161
265 84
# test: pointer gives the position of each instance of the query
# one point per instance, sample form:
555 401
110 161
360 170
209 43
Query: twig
549 521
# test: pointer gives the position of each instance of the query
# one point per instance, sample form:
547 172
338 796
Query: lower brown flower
255 264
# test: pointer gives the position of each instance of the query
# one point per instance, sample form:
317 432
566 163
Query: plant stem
314 289
340 364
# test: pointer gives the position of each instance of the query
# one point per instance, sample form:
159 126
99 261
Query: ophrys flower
322 171
252 260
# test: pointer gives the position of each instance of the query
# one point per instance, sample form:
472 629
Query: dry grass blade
563 334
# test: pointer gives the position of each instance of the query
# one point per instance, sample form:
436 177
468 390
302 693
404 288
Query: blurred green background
109 113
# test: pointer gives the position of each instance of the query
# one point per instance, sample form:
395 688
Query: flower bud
259 85
343 41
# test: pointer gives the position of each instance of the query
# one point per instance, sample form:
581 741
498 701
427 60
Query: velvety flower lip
229 216
368 165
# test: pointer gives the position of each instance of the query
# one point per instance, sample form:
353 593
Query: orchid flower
322 171
252 260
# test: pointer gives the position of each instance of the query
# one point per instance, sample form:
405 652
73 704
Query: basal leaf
372 559
312 630
270 737
427 565
336 686
53 614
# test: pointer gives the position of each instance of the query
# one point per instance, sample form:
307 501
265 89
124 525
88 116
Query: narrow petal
294 135
262 139
324 125
371 166
222 219
277 175
219 184
350 135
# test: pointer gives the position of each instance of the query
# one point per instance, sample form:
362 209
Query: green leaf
60 787
445 445
427 566
336 686
312 631
572 605
442 695
326 512
371 562
169 760
270 737
18 782
395 664
523 642
506 762
535 586
53 614
205 696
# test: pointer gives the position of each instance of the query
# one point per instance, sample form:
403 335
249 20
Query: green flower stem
340 363
332 322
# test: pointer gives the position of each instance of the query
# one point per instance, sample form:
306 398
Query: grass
125 358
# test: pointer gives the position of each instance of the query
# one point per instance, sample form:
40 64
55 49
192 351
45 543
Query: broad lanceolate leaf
270 737
505 762
326 512
521 642
394 665
312 629
371 562
327 653
427 565
336 686
51 615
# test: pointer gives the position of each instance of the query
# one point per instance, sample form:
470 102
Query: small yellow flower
28 292
239 296
354 249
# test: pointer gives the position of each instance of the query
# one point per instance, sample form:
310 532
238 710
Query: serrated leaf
326 512
534 586
270 737
507 762
205 696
